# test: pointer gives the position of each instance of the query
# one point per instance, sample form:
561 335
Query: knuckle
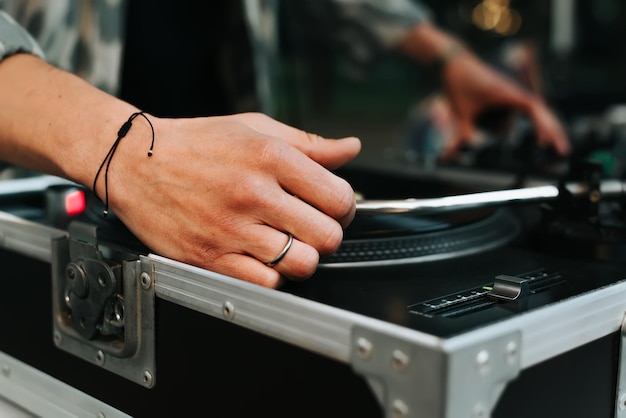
272 152
304 265
330 239
250 193
311 139
343 200
270 278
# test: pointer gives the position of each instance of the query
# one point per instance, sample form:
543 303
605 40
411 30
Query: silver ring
282 253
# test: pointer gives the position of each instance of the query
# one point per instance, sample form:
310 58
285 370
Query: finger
249 269
331 153
290 214
262 246
310 182
298 260
464 132
549 130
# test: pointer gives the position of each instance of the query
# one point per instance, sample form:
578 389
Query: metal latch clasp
103 310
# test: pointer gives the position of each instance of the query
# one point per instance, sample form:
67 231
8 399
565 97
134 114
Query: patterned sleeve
386 21
362 30
14 39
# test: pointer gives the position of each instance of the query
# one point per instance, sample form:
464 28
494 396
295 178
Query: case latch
103 304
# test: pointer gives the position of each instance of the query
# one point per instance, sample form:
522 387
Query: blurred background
568 50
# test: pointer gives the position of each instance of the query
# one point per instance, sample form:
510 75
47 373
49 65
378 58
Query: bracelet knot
121 133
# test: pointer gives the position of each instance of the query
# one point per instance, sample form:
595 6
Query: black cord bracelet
107 160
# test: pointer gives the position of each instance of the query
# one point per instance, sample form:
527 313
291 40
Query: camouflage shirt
86 36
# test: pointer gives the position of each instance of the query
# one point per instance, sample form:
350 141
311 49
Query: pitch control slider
538 194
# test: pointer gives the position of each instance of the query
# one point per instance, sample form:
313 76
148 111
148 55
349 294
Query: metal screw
400 360
100 357
147 378
228 309
6 370
482 361
511 352
399 409
146 280
364 348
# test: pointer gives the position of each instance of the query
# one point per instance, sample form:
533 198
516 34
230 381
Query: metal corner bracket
440 379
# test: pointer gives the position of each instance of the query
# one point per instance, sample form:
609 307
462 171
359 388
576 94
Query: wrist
431 46
102 174
53 121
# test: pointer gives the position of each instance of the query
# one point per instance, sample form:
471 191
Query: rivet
364 348
228 309
399 360
58 339
146 280
482 362
479 411
511 352
101 415
399 409
621 403
102 281
147 378
100 357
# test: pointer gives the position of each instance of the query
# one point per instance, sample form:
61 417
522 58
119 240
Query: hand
472 88
218 192
222 192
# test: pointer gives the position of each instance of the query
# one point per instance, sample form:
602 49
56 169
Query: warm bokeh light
498 16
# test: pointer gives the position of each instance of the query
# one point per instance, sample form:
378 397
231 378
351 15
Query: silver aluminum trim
557 328
317 327
545 332
45 396
35 184
27 238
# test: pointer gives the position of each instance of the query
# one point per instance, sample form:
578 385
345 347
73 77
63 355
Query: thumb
331 153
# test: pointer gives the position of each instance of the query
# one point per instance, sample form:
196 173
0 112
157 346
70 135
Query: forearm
428 44
53 121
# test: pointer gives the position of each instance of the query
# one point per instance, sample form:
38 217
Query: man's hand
220 193
472 88
223 192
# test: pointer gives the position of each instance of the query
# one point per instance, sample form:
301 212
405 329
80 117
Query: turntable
447 299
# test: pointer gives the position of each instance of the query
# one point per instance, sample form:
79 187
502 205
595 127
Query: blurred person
243 195
366 30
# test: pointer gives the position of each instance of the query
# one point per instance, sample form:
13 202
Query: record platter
447 298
